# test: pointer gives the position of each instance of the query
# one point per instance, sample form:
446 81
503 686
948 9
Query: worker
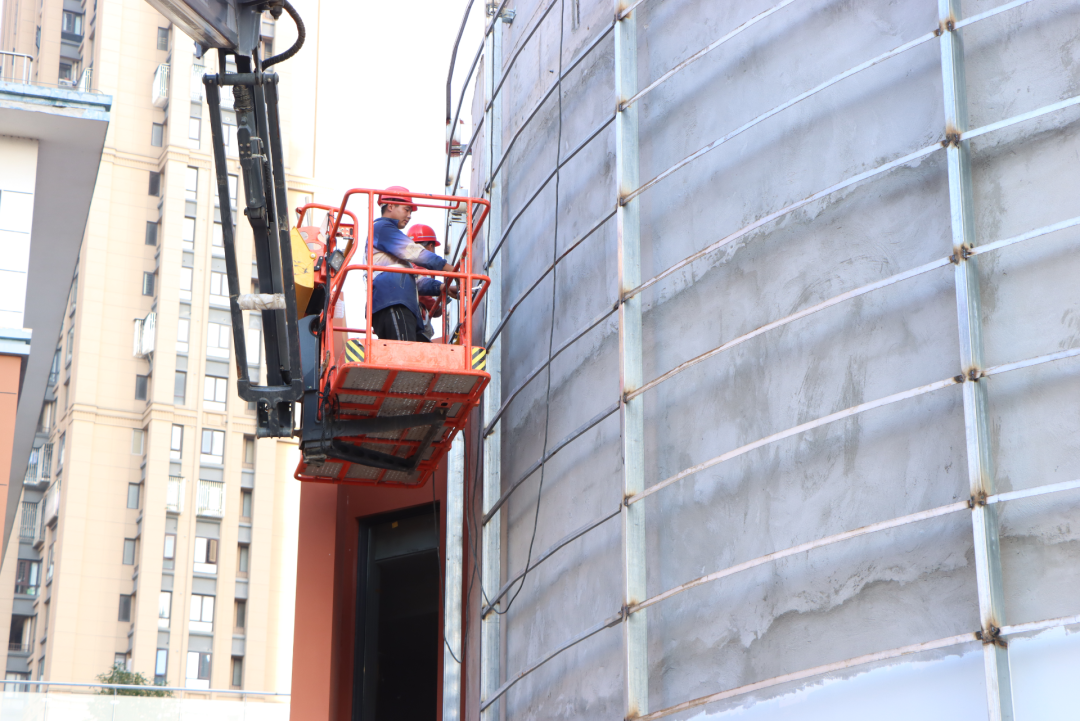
395 311
424 236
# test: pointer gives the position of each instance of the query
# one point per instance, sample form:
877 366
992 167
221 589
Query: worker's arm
389 239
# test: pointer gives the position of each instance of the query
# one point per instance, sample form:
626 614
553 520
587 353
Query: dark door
398 620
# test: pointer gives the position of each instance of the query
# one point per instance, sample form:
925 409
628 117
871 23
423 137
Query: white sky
382 91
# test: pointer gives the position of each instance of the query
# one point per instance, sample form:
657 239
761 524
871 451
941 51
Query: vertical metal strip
980 471
635 636
491 571
452 586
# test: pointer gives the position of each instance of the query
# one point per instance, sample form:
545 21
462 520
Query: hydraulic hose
301 34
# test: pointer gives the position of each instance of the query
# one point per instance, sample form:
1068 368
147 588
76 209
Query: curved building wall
794 636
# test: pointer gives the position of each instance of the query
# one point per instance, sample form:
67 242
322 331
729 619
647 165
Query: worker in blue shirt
395 311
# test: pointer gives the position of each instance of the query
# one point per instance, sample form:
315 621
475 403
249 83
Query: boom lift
374 411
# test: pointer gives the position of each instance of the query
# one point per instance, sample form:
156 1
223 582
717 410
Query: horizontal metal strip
1032 492
562 163
777 110
1039 625
570 248
705 51
997 245
848 535
811 672
801 428
802 548
572 536
904 160
587 633
809 93
1038 360
828 191
547 96
990 13
1016 119
580 431
529 378
1005 242
835 300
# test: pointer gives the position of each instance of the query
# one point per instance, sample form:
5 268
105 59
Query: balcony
51 504
40 466
197 83
16 67
23 647
174 495
211 498
28 521
160 90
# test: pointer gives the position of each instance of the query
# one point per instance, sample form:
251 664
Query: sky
382 91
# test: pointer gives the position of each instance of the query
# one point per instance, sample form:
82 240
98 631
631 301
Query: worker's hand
452 291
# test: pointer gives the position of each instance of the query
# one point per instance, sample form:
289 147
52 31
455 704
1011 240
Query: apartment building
154 530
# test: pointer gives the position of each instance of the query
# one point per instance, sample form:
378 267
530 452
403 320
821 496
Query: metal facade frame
972 375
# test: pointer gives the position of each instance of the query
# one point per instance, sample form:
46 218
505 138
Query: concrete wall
905 586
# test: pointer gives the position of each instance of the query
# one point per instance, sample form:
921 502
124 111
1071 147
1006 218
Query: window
217 340
70 345
267 47
129 551
49 568
187 233
219 286
176 442
73 23
60 453
243 555
241 615
170 546
183 333
215 390
148 282
138 441
134 491
123 660
213 446
249 451
48 417
141 385
185 284
164 609
245 504
180 388
237 671
163 38
228 129
191 184
161 666
206 551
27 577
202 614
155 183
198 670
65 73
157 135
125 608
151 233
195 123
254 340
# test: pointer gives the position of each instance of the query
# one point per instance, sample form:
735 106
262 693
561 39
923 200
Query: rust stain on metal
952 137
978 499
960 378
974 374
946 25
991 637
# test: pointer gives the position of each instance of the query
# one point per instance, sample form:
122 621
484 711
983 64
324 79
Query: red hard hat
406 200
421 233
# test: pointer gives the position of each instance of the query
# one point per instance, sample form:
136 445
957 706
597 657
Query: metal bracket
507 15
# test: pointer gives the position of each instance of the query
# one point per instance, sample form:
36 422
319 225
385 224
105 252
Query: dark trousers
396 323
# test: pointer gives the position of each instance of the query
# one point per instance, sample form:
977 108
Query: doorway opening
397 619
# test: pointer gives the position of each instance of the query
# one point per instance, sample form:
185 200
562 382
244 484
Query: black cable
301 34
551 334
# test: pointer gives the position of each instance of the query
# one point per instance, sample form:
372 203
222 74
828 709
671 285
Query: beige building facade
153 530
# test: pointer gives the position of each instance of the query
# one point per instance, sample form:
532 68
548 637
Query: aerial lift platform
375 411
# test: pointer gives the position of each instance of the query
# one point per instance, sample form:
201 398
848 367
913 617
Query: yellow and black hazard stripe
479 358
354 352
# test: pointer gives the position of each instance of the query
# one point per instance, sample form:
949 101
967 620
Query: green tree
121 676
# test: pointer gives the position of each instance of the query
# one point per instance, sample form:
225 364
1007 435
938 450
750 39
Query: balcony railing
174 495
23 647
28 520
83 86
160 90
211 498
16 67
39 470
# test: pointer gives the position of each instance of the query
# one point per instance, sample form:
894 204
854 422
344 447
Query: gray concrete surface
912 584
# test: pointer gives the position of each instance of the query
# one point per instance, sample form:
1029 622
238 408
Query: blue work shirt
394 248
